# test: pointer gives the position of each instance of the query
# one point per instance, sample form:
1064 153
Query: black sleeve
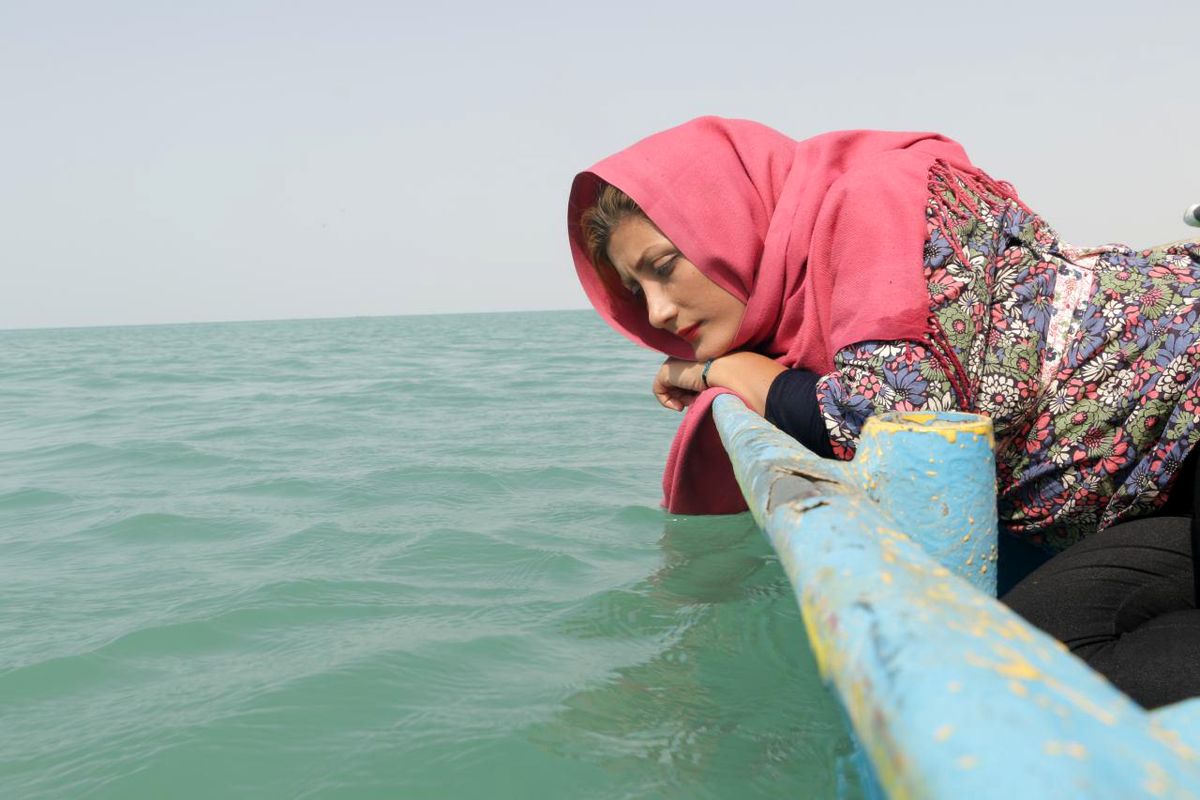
792 407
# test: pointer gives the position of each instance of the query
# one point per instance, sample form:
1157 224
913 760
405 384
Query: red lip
689 333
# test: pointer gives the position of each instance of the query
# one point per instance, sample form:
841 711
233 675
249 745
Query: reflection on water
728 703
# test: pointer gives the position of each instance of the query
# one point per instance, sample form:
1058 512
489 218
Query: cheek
732 309
702 295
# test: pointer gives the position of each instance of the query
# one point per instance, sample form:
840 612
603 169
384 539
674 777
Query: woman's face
679 298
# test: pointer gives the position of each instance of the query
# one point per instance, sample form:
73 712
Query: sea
402 557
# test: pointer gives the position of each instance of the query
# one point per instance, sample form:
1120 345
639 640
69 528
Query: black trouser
1123 601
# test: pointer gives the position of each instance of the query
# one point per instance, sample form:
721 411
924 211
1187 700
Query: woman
829 279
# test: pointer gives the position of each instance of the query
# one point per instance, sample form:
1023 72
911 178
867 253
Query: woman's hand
678 382
749 374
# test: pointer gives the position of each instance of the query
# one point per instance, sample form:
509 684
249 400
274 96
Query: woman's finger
673 397
662 393
674 387
686 398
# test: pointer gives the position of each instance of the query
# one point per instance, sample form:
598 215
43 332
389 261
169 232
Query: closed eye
665 267
661 270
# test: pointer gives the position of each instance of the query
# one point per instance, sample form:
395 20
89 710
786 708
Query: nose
660 308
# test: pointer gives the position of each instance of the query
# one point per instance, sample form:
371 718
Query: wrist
723 370
748 374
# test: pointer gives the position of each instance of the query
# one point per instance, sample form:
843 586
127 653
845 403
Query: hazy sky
170 162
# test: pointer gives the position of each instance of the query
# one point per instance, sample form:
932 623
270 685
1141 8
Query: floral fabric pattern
1087 360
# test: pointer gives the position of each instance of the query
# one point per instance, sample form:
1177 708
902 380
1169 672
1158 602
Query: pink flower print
912 356
939 288
1173 270
1039 435
1116 458
870 386
1093 440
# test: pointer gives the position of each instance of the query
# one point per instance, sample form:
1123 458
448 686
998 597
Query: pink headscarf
821 239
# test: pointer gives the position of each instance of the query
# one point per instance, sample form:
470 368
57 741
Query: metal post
935 475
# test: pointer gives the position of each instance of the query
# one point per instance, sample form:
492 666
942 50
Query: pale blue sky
164 162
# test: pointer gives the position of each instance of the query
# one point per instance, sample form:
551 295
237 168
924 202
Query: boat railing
892 557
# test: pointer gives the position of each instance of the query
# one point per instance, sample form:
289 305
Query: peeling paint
1156 782
1173 740
948 425
1060 748
951 694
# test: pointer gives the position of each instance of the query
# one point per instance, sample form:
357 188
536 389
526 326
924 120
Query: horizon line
286 319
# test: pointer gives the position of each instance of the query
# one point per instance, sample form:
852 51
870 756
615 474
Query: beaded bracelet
704 375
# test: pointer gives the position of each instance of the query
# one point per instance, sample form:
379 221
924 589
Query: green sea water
385 557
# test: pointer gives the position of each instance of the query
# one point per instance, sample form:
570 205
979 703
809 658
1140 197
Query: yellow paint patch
893 533
968 762
1065 748
822 653
1172 740
939 591
1018 667
943 733
928 422
1018 688
1156 782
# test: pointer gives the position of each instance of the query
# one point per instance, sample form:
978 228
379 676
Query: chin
705 351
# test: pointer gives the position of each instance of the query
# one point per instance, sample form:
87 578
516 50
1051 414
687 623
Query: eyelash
665 269
661 272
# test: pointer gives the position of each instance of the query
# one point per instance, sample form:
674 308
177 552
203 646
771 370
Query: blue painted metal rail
892 558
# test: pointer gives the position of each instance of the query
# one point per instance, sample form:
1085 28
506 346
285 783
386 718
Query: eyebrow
626 279
645 260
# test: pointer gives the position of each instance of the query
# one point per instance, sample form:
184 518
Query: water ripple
380 557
